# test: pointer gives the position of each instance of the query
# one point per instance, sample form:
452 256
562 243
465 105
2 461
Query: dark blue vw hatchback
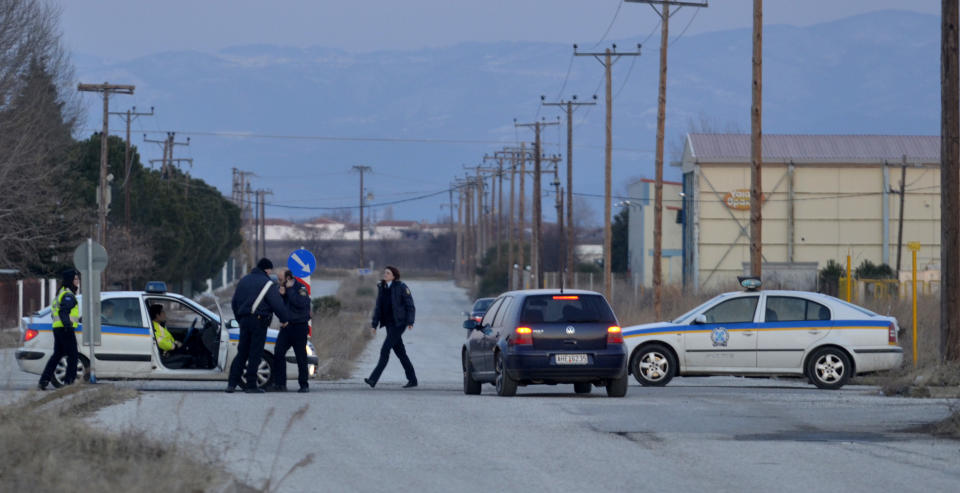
546 337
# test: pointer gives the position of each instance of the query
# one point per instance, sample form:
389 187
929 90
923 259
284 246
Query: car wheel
470 386
264 372
60 372
506 386
617 387
582 387
654 365
829 368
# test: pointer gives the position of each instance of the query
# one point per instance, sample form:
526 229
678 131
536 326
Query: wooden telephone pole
362 170
665 13
569 105
102 193
128 117
536 254
949 183
756 146
607 58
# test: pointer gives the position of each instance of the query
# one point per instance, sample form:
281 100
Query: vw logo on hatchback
571 330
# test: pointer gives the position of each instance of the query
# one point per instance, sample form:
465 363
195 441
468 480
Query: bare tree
39 220
131 257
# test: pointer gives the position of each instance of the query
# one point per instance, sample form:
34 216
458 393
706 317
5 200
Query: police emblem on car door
720 337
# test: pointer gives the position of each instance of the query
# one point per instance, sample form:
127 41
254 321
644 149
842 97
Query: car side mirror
700 319
233 324
471 324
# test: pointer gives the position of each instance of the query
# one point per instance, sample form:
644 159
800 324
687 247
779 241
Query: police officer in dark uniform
294 334
66 313
254 302
395 311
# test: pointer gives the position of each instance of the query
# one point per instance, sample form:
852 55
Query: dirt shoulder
47 446
341 327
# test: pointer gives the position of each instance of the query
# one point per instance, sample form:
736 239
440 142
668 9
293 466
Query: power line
609 27
694 16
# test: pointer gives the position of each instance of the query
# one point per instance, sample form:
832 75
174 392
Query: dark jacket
404 312
246 294
298 303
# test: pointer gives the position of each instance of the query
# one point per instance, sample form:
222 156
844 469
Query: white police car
129 350
766 333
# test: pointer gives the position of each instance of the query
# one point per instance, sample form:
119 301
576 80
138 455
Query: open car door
224 340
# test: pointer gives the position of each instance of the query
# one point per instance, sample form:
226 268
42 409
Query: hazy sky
119 29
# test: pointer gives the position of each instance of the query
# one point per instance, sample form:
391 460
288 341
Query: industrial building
824 196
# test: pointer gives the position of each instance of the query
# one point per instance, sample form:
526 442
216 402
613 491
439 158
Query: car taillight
614 335
566 298
892 334
478 319
30 334
523 336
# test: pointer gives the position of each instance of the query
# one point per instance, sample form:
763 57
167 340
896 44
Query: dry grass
634 309
9 338
340 339
48 447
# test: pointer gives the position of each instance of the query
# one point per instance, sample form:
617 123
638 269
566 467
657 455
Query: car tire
506 386
60 372
653 365
582 387
264 372
617 387
829 368
470 386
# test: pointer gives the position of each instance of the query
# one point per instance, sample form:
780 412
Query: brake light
614 335
478 319
30 334
892 334
524 336
566 297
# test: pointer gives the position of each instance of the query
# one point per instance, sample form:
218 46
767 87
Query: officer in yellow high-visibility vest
66 314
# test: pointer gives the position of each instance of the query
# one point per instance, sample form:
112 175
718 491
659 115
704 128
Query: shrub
830 277
326 306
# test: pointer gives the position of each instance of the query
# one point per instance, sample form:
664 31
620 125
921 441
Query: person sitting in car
171 350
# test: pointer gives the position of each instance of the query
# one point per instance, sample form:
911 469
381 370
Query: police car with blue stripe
756 332
129 348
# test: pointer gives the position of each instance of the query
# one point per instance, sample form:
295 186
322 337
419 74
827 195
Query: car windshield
699 307
482 304
565 309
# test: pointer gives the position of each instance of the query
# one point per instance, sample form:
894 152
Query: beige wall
837 208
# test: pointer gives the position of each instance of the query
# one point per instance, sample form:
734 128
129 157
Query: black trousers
293 335
253 334
394 341
64 344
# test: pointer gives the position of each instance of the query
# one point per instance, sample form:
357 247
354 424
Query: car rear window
481 305
566 309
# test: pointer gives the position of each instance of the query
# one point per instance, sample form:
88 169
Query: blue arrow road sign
301 263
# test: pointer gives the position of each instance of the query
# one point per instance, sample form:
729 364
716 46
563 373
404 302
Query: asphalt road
697 434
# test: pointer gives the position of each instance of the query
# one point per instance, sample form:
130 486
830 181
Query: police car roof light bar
156 287
750 283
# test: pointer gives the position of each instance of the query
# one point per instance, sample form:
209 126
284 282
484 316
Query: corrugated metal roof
722 148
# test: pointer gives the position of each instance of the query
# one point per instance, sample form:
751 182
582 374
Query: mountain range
300 117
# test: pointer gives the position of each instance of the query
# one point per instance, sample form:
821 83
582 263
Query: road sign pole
88 327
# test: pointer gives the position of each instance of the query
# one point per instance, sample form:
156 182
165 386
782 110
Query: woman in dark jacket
395 311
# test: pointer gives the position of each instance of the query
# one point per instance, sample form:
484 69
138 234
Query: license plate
570 359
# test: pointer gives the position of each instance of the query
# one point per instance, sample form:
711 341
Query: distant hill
873 73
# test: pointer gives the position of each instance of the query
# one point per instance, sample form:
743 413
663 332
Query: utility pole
511 234
664 13
949 184
362 170
569 105
756 146
166 164
128 117
902 194
106 89
536 253
521 213
451 231
609 57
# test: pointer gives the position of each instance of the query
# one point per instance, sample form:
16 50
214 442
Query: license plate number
570 359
